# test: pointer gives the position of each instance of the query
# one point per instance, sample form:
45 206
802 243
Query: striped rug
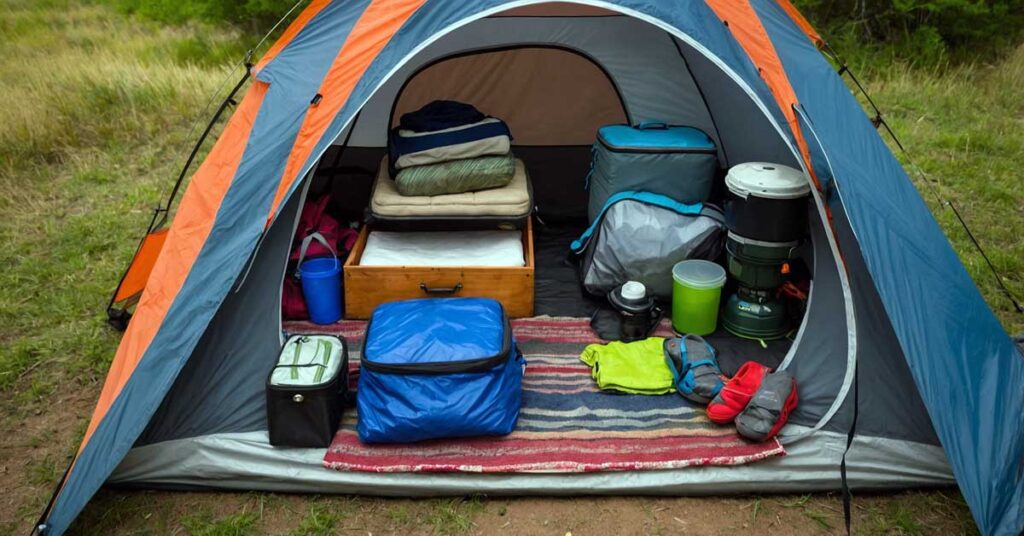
565 424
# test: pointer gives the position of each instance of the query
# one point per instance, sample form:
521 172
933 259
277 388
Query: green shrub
923 31
253 13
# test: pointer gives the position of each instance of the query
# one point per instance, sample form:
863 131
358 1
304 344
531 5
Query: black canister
767 202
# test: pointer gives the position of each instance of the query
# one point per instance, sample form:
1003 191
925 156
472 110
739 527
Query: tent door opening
558 160
554 97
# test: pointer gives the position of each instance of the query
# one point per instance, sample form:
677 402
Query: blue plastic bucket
321 288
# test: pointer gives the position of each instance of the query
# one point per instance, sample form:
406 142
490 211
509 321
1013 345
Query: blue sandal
694 367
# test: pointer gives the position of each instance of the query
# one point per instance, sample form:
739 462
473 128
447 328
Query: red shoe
737 392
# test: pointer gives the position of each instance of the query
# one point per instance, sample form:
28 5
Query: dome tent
929 377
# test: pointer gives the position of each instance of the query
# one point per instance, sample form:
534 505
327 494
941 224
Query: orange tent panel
802 22
374 29
746 27
142 265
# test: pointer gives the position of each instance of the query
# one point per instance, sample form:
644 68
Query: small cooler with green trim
306 391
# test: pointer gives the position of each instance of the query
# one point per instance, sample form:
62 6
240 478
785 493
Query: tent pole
228 101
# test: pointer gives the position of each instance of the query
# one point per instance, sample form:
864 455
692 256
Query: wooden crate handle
441 290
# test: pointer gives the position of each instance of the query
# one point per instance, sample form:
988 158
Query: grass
454 516
205 524
321 520
95 127
96 120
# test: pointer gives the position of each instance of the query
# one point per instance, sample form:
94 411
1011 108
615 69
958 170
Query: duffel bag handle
305 246
652 125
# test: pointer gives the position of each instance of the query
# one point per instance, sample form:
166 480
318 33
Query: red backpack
313 220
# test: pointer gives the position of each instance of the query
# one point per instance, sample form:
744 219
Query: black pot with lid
767 202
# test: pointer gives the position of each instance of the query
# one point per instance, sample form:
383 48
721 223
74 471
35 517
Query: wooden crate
369 286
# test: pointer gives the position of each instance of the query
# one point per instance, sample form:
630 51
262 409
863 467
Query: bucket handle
305 245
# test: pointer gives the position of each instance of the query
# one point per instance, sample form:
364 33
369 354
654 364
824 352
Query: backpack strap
675 358
713 212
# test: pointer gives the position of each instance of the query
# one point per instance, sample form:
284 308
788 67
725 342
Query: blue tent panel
966 368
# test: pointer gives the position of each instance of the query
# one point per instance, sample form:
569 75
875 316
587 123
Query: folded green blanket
457 176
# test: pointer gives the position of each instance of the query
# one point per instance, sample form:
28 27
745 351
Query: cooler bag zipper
656 150
482 364
319 376
295 359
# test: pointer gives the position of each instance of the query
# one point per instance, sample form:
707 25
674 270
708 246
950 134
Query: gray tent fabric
221 389
650 89
888 407
660 77
246 461
744 133
819 354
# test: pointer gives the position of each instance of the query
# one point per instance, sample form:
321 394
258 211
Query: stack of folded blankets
449 147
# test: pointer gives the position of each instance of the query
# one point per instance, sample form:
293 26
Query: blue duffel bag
438 367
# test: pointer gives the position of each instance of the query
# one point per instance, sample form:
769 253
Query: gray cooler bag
674 161
640 236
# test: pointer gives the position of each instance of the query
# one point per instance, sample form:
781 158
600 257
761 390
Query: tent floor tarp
246 461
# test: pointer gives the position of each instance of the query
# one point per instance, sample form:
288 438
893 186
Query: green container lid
699 274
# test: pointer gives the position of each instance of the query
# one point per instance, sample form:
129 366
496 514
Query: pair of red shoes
758 400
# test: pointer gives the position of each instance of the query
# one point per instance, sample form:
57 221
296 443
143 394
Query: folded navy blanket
439 115
409 149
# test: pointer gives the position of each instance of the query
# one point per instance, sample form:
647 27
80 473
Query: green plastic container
696 293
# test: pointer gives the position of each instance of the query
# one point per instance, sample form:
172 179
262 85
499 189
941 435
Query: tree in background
924 30
249 13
